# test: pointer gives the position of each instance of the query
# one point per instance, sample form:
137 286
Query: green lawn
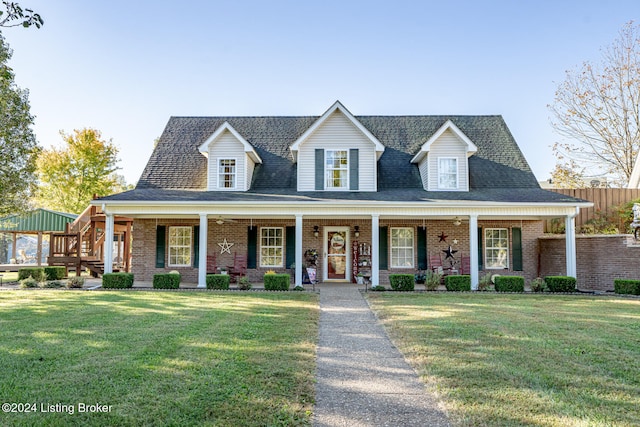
513 360
158 358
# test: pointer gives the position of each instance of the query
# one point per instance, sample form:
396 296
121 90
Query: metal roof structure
39 220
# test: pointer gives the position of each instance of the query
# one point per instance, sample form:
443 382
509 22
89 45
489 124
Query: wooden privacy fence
605 203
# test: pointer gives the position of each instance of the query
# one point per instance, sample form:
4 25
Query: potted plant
223 270
360 279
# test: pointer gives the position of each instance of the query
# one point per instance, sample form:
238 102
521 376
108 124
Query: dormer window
447 173
336 170
227 173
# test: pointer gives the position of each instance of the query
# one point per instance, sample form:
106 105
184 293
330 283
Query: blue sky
125 67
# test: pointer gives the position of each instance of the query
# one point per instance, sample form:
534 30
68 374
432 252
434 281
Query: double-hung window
271 247
336 169
180 239
402 247
447 173
227 173
496 248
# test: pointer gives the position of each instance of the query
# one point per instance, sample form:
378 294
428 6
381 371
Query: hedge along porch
403 243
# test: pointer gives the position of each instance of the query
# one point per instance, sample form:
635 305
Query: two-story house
380 194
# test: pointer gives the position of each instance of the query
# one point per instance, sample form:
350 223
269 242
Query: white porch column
473 250
375 250
570 237
298 278
108 242
202 252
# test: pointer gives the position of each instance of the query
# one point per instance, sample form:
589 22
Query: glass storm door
337 251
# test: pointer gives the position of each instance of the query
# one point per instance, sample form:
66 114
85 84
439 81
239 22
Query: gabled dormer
231 160
443 159
337 153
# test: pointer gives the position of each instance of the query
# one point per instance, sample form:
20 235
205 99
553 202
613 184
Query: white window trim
486 248
412 247
169 246
348 170
219 185
457 186
281 247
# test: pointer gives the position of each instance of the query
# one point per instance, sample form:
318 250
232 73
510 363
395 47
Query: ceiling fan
221 220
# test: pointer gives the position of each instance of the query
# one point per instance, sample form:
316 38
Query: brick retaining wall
600 260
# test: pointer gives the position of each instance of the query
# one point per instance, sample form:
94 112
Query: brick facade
144 245
600 260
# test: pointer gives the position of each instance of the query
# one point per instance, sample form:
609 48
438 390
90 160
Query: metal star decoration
225 247
449 253
442 237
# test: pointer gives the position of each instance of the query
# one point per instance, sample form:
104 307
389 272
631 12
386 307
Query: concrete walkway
362 378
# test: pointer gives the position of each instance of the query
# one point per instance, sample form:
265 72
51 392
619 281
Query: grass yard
158 358
517 360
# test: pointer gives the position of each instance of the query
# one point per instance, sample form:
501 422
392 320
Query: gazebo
37 222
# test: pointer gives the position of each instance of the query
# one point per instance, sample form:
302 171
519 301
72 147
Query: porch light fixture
219 221
356 231
315 231
457 221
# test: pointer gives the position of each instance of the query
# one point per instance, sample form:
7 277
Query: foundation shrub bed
560 283
55 272
218 281
402 282
276 282
166 281
35 272
509 284
117 280
458 283
626 286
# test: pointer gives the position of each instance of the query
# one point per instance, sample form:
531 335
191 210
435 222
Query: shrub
218 281
29 282
626 286
55 272
36 272
53 284
458 283
378 288
117 280
485 283
244 284
509 284
420 277
276 282
560 283
432 280
166 281
539 285
298 288
75 282
402 282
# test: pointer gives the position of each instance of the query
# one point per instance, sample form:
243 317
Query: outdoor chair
239 267
211 264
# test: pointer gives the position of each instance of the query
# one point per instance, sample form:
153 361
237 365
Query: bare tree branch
596 109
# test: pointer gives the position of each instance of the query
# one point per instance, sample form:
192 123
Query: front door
336 249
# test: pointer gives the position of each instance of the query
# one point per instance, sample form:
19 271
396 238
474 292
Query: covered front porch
384 240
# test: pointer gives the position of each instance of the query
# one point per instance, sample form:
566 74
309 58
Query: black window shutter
290 241
516 236
252 247
161 232
422 248
383 246
196 246
319 169
354 183
480 249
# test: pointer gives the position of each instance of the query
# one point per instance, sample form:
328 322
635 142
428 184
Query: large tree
597 110
18 146
71 175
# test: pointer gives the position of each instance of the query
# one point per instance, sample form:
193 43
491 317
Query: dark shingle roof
177 164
